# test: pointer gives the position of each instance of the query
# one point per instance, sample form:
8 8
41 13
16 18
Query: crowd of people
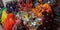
27 15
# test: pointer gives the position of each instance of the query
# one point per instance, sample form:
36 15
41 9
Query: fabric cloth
10 21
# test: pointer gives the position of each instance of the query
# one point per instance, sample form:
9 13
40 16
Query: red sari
10 21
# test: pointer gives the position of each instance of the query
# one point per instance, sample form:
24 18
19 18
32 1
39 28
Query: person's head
8 5
40 1
9 10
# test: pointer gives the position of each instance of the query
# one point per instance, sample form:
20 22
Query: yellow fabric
4 15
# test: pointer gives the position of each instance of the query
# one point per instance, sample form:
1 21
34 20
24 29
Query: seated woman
9 21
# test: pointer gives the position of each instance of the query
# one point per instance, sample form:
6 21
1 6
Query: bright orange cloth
41 8
10 21
47 7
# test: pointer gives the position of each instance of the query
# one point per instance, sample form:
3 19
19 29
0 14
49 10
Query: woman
10 20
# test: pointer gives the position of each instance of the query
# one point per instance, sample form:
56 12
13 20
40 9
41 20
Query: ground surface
1 27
